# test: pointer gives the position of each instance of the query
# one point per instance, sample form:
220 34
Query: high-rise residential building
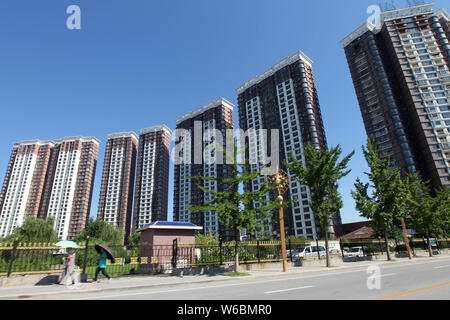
284 98
152 176
196 141
116 192
50 178
23 186
73 172
400 71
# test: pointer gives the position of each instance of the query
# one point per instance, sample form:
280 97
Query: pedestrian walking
69 267
102 264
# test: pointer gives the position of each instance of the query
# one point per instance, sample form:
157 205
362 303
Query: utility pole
279 176
405 235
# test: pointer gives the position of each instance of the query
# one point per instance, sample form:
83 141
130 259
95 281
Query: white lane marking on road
387 275
440 267
176 290
291 289
227 285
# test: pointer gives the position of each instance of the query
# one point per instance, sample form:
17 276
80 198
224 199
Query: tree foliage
134 240
100 231
429 213
235 208
35 231
383 199
322 172
210 238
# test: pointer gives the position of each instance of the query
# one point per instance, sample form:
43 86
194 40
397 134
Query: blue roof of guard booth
170 225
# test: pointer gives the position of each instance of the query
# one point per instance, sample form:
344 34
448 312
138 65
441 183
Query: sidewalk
143 281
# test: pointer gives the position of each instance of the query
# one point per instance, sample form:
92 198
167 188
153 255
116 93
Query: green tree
100 231
134 240
236 208
36 231
429 213
321 174
264 236
394 233
384 198
210 238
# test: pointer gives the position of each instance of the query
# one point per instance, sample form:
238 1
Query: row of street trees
386 199
236 209
36 230
391 196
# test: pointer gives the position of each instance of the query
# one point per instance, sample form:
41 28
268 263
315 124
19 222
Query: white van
354 252
309 251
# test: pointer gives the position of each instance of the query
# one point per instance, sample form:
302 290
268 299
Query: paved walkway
143 281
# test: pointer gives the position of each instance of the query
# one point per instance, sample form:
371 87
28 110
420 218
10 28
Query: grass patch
237 274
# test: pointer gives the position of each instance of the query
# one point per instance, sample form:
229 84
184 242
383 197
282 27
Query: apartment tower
400 71
116 192
152 176
23 187
198 145
50 178
73 173
284 98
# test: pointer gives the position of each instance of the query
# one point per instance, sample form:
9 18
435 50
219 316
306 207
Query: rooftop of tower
211 105
393 14
162 127
117 135
57 141
276 67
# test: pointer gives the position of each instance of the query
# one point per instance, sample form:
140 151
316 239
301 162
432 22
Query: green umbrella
67 244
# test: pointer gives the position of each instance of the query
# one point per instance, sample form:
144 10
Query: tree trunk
430 251
236 251
326 248
386 241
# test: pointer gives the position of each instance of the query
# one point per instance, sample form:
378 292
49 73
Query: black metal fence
375 247
16 258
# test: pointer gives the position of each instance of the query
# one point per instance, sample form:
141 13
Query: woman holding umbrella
105 253
70 260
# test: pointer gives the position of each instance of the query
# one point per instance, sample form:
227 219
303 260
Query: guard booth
163 241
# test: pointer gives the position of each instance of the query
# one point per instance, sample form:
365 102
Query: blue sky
141 63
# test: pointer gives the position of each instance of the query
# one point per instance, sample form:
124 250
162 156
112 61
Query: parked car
354 252
309 251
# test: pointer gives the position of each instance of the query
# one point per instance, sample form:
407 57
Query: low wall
203 270
334 261
41 279
265 266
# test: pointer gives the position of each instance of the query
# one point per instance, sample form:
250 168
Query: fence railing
19 258
375 246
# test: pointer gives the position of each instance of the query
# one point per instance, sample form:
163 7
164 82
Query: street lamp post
405 235
279 176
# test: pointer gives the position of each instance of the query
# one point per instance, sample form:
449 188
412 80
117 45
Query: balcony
426 96
445 77
445 145
437 56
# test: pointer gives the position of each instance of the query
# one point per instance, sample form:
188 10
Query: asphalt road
419 281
